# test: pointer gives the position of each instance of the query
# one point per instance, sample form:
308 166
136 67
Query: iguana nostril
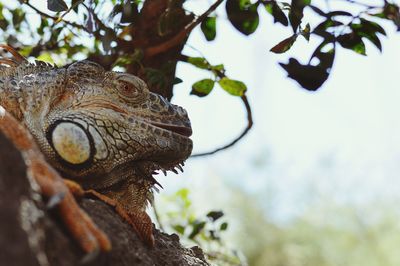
182 111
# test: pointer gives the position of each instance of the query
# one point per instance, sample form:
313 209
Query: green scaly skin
103 129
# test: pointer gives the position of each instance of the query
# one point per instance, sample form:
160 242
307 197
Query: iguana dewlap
105 130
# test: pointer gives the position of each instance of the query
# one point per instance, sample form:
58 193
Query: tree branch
56 18
245 131
177 39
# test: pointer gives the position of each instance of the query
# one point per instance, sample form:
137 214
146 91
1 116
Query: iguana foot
138 219
51 185
74 188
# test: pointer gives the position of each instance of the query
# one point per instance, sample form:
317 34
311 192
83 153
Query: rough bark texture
32 235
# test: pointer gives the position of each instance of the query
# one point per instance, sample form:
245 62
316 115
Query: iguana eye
128 89
72 143
131 88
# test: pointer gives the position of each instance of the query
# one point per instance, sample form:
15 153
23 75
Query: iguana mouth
181 130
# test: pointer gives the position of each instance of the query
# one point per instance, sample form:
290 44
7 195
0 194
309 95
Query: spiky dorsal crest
19 66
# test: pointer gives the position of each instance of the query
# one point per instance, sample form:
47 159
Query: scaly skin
104 130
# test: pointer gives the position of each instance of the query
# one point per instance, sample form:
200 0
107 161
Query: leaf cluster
113 32
206 230
335 27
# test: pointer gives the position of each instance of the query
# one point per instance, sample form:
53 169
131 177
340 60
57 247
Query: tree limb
32 235
177 39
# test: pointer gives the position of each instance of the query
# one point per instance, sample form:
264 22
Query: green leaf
17 17
306 32
325 58
243 15
369 30
183 193
198 226
208 27
284 45
318 11
177 81
322 28
308 76
223 226
274 9
369 26
234 87
219 67
56 5
296 13
215 215
391 12
3 24
45 57
353 42
43 24
202 87
199 62
179 228
311 77
75 4
3 21
372 37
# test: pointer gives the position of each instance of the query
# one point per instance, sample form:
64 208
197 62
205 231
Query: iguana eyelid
128 89
131 88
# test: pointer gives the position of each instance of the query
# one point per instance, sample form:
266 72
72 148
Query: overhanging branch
245 131
177 39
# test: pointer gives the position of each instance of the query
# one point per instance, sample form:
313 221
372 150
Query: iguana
100 130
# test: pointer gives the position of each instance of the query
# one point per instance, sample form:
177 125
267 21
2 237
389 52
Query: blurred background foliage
146 38
326 233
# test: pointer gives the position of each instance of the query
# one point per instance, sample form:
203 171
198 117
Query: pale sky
340 143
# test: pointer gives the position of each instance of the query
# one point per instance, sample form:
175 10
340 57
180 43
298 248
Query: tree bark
32 235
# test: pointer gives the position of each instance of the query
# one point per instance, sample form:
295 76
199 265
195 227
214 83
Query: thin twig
55 19
69 10
177 39
360 4
245 131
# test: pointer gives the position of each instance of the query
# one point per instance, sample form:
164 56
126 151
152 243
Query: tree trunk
32 235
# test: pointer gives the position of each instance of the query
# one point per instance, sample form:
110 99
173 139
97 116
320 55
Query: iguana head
99 127
109 122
